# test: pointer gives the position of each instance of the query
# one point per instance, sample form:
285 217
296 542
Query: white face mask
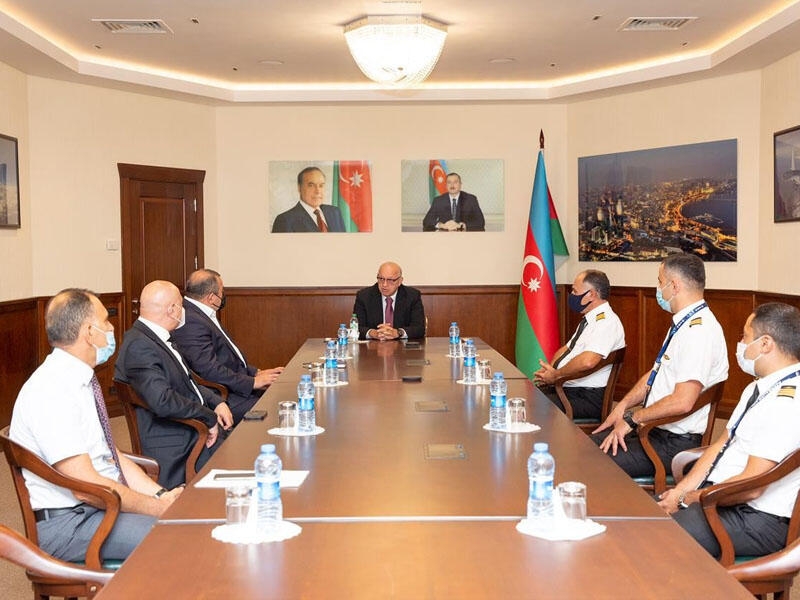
748 365
182 320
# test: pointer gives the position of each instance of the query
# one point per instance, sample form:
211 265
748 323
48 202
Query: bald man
390 310
156 371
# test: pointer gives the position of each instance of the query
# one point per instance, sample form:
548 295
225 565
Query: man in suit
153 367
455 210
60 416
310 214
210 351
390 310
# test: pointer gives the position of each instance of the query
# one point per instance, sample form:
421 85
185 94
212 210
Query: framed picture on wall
9 183
787 175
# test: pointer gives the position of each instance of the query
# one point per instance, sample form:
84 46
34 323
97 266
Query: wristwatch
628 418
681 503
160 492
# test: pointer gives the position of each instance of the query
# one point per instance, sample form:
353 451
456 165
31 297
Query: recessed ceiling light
98 47
195 20
597 17
235 68
552 64
271 63
501 61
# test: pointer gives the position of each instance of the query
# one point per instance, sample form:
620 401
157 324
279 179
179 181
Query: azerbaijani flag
537 313
437 180
352 193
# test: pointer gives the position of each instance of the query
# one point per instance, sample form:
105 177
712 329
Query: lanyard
672 331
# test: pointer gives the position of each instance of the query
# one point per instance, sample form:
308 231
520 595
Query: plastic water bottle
541 468
470 369
268 476
306 415
343 336
498 389
331 368
455 339
354 328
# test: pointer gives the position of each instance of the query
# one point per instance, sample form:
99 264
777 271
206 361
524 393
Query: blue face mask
102 354
664 304
574 301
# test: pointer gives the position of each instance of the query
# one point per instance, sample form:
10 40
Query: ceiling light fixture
396 50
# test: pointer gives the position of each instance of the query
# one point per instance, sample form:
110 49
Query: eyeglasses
389 279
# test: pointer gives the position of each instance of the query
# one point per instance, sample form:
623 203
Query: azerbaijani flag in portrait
352 193
437 180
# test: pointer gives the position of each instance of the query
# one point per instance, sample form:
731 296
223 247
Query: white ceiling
560 48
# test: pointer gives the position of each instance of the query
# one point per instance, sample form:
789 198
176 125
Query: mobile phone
255 415
412 378
413 345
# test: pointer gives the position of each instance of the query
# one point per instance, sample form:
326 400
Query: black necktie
572 342
750 402
453 203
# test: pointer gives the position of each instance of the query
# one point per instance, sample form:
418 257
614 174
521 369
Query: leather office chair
81 582
614 359
20 458
130 400
661 481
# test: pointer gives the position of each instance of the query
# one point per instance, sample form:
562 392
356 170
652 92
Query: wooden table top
650 559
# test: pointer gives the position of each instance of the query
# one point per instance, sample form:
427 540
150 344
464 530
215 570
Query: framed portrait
9 183
787 175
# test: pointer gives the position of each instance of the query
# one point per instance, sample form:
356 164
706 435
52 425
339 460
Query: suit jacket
468 211
155 374
209 354
297 220
408 311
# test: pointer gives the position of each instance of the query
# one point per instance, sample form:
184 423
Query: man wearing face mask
763 429
599 333
153 367
692 358
60 415
209 350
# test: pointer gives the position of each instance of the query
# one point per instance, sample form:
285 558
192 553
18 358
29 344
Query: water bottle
455 339
331 367
354 328
343 336
470 369
541 468
306 415
268 476
498 389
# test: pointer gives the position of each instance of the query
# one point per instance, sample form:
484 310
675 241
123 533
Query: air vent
134 25
655 23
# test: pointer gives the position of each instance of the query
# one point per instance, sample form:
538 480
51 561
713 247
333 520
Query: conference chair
130 401
614 359
661 481
77 581
20 458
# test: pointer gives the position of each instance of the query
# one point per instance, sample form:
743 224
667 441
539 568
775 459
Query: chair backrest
19 458
20 551
615 359
130 401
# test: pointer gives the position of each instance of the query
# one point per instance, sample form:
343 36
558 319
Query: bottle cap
267 448
342 325
305 377
498 375
331 343
453 324
540 447
470 342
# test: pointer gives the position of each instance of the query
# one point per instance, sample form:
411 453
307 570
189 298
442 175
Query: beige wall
16 272
780 109
713 109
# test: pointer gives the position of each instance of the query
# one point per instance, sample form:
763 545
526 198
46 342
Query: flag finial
541 139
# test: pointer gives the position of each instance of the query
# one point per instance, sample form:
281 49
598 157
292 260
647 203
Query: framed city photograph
787 175
9 183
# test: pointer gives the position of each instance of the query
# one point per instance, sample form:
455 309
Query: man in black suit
210 351
455 210
152 366
390 310
310 214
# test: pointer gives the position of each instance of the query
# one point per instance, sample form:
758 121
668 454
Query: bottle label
305 403
455 339
542 489
469 361
330 363
499 401
269 490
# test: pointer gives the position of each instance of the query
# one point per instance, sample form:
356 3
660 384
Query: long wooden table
381 518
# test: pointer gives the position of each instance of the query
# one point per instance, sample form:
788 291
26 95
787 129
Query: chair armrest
218 387
149 466
682 459
202 436
559 388
784 563
614 358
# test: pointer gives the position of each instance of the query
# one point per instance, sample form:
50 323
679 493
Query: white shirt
212 314
602 335
55 417
696 352
769 430
310 210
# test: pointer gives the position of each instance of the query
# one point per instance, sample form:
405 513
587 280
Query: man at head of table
389 310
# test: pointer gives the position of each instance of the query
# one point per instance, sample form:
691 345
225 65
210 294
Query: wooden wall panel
19 344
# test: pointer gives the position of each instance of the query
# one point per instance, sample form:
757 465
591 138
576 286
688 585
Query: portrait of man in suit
454 210
310 214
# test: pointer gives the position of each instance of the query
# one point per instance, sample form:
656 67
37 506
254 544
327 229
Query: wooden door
162 228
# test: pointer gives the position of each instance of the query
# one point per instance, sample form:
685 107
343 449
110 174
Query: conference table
408 496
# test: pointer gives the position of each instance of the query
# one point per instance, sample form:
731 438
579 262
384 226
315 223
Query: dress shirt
212 314
602 335
402 332
310 210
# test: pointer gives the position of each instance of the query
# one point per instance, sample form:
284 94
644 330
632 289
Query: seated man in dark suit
455 210
209 350
152 366
390 310
310 214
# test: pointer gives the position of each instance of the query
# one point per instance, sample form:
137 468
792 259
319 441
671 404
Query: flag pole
541 139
